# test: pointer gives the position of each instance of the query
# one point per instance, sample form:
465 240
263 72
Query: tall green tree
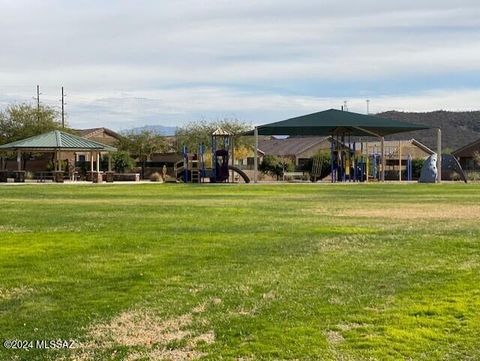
142 145
200 132
19 121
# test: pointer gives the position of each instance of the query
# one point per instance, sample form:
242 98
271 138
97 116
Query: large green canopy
332 121
57 140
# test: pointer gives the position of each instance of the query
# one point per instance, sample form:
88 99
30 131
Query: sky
127 64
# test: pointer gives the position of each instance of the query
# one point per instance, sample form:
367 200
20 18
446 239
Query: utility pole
38 103
368 106
63 109
38 98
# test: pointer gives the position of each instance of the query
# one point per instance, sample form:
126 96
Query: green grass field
269 272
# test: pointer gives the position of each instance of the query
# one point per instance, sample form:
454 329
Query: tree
193 134
21 121
275 166
122 162
417 165
142 145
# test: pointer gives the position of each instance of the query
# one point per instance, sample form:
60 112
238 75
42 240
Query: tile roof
91 131
288 146
57 140
468 150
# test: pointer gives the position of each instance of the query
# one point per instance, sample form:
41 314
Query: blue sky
132 63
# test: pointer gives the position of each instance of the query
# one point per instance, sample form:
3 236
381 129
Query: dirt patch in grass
139 328
147 336
13 229
345 243
350 326
207 337
15 293
415 211
469 265
334 337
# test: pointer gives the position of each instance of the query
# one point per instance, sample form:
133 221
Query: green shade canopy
332 121
57 140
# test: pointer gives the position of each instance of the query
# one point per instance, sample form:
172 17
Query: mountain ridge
458 128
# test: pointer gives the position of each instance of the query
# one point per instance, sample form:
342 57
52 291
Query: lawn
268 272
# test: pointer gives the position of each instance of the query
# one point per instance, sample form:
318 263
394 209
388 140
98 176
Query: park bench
42 177
294 175
12 176
125 177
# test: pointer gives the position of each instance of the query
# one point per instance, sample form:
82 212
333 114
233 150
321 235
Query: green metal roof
334 121
56 140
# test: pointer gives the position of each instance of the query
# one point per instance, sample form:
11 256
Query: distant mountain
458 128
158 129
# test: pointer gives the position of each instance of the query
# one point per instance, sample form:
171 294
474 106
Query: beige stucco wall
104 138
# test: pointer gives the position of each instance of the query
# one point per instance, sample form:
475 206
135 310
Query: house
298 149
101 135
468 156
396 149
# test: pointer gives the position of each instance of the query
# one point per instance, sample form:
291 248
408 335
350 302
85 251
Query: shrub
122 162
275 166
417 165
324 159
472 176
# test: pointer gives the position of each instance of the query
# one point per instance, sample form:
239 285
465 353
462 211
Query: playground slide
450 165
240 173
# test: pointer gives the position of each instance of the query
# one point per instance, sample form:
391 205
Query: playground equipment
222 141
353 160
349 164
450 167
409 168
192 168
429 170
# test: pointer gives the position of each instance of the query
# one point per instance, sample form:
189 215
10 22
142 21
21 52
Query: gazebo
57 142
334 122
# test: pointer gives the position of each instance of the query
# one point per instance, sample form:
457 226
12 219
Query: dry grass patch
13 229
334 337
350 326
414 211
207 337
241 311
139 328
469 265
147 336
344 243
179 354
15 293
